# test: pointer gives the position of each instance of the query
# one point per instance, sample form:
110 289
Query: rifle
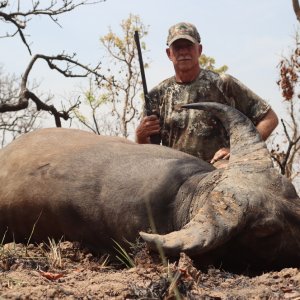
155 139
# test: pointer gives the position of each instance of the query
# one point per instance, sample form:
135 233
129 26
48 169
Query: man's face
184 54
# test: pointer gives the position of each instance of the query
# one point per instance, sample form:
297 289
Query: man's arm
267 124
265 127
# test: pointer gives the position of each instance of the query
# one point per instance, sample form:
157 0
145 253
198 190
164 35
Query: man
198 132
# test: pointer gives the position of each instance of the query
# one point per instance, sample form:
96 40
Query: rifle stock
155 139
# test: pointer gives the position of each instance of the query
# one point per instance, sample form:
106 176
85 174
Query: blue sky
248 36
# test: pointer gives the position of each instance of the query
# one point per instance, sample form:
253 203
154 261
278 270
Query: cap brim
185 37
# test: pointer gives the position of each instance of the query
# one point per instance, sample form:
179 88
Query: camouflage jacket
198 132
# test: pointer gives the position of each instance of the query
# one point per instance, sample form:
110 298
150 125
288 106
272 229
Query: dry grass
63 270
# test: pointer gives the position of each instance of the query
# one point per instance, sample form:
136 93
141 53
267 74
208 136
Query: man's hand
148 126
223 153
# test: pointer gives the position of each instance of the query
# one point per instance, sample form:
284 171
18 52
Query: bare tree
14 123
14 15
287 154
25 94
19 17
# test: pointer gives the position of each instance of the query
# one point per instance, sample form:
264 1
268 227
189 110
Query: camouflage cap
183 30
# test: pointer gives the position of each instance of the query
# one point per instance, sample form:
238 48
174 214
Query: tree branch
25 94
282 158
19 19
296 9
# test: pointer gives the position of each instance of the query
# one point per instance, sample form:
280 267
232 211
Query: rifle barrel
155 139
138 46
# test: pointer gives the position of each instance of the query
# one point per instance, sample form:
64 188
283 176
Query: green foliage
208 63
114 104
123 256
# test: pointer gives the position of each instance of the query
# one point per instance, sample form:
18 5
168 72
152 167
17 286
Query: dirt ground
63 271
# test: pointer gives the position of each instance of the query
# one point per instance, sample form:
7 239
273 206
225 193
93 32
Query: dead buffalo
95 189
